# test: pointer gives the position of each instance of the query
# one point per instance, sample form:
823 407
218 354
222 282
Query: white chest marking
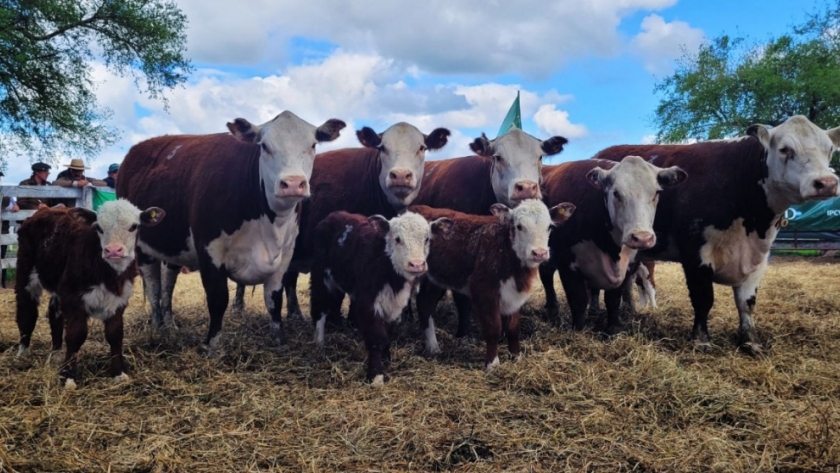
102 304
187 258
510 299
599 269
257 250
732 254
389 304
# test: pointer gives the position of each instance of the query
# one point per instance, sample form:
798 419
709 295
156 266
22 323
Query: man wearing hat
40 173
111 180
74 176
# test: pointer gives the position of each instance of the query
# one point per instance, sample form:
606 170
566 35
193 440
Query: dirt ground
641 401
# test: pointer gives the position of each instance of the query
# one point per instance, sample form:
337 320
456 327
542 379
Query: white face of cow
287 154
798 153
530 223
402 152
517 160
117 223
631 192
407 238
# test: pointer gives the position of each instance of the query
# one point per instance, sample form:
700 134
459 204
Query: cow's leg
27 295
428 297
75 334
238 304
377 342
463 306
114 336
323 304
574 285
594 299
702 294
487 311
273 297
56 322
3 274
745 302
290 286
150 272
169 276
626 294
512 332
612 299
552 308
214 281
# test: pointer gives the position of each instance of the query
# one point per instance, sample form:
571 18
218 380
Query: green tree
47 48
730 84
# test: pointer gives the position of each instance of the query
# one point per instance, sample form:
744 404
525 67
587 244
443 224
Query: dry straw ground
644 401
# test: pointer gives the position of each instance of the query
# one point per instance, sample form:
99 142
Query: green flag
513 117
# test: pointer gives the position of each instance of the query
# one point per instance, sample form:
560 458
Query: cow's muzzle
640 240
825 187
293 186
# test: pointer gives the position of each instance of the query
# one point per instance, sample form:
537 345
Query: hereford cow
721 223
616 205
493 261
233 204
376 262
505 170
382 178
86 260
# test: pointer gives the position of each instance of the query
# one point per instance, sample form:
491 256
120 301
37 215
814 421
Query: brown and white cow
382 178
616 205
505 170
493 261
233 205
87 261
721 224
376 262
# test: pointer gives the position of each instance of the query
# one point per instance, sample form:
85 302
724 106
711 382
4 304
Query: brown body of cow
61 250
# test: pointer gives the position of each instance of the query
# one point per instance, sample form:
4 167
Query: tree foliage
47 51
730 84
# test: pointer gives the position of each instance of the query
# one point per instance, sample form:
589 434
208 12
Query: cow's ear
83 215
152 216
243 130
379 223
442 227
500 210
671 177
329 130
834 135
553 145
482 146
761 133
369 138
437 138
597 177
561 213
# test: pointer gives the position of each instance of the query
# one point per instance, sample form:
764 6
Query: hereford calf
376 262
86 260
491 259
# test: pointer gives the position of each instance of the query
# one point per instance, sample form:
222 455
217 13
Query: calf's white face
287 154
117 223
517 160
798 153
402 152
631 192
407 238
530 224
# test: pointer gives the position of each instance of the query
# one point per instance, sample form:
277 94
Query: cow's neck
780 195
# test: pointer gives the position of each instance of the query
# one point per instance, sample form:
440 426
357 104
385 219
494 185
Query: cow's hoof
702 346
69 384
492 365
275 331
23 352
121 378
295 314
378 381
432 351
237 307
753 349
613 330
55 357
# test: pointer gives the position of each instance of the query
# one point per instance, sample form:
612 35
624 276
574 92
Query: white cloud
556 122
648 139
660 43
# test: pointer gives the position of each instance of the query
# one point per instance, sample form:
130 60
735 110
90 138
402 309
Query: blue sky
586 69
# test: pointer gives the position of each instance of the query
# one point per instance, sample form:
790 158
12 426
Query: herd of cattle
380 223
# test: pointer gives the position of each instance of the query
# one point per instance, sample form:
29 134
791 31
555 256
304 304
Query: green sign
822 216
102 195
513 118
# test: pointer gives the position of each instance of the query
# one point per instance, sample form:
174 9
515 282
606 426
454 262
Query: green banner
822 216
513 117
102 195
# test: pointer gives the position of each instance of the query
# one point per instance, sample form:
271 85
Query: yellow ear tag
154 213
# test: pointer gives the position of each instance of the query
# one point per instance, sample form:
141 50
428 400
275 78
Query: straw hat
77 164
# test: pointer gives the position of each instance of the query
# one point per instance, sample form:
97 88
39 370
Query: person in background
74 176
9 204
111 180
40 173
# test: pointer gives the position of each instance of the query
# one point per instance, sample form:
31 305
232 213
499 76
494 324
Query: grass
642 401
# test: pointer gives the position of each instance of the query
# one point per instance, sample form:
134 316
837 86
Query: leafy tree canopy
47 49
731 84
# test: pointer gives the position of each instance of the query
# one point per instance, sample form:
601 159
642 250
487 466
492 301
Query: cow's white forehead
531 210
287 125
801 135
516 143
635 172
118 213
402 134
409 224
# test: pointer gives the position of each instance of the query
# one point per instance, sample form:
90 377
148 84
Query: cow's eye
787 152
398 240
422 148
519 227
313 145
498 158
427 240
265 148
133 227
617 196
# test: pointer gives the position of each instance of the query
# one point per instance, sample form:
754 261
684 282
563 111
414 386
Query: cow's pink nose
641 240
293 186
114 251
526 190
417 266
826 186
401 177
540 254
